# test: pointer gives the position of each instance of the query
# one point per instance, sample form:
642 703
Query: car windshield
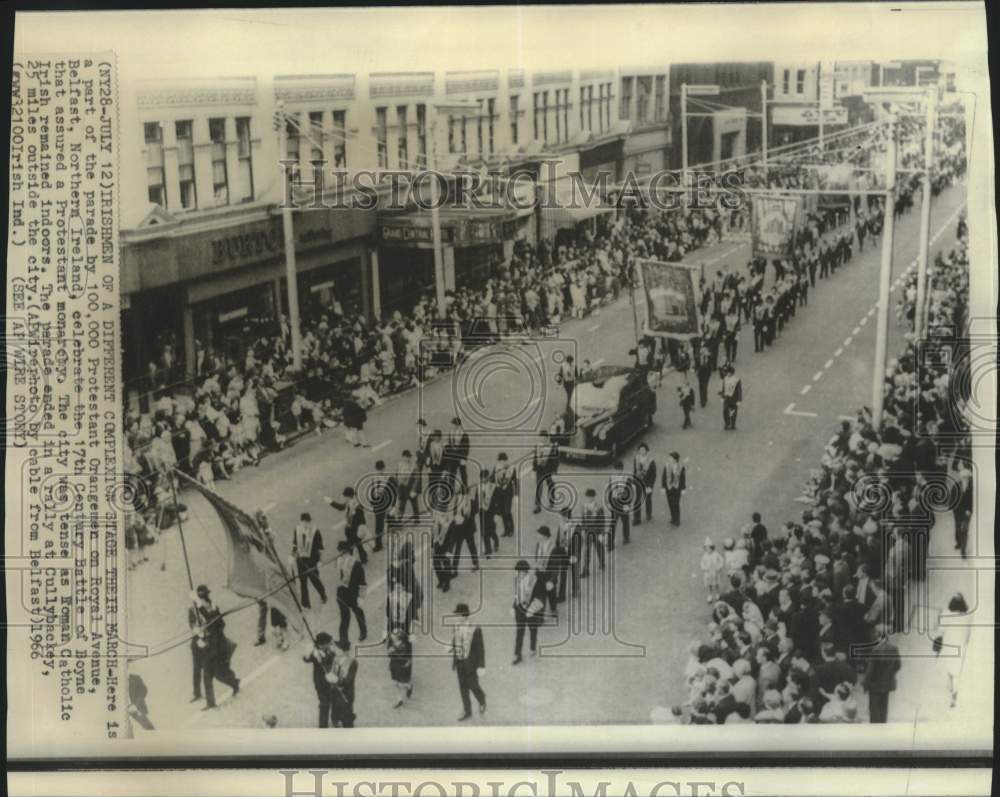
590 398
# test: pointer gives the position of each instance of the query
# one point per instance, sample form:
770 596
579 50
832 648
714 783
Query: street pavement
625 651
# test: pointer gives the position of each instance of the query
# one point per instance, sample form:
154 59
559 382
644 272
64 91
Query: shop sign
799 116
245 246
233 315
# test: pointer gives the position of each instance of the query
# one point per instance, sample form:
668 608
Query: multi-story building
644 105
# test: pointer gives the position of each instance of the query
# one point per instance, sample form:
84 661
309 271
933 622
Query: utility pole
684 141
436 219
919 320
885 279
763 124
288 228
819 100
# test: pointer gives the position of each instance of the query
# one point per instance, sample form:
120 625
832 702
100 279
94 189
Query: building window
644 89
479 128
565 112
513 119
545 117
422 136
602 98
590 108
607 110
491 107
155 175
340 139
244 153
316 134
402 152
185 164
660 111
800 81
583 102
626 105
381 137
220 177
464 122
452 139
537 110
786 78
558 115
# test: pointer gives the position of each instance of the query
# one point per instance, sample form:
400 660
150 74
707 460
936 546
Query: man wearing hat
456 452
354 521
594 527
545 464
307 548
674 483
545 564
468 660
732 396
210 647
486 510
879 678
350 583
529 605
568 554
321 657
406 485
505 488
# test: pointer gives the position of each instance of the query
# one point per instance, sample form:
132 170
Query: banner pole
885 282
635 312
288 583
180 528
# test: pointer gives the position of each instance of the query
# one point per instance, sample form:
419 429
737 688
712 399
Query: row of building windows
644 88
800 81
223 191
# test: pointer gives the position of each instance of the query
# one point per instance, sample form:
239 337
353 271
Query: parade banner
253 569
670 294
773 225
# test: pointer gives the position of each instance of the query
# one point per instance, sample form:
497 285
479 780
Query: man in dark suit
307 548
732 397
594 528
644 470
568 555
486 510
618 498
350 583
406 486
504 489
382 498
456 451
546 564
208 628
354 521
545 464
322 659
704 371
468 659
674 483
879 678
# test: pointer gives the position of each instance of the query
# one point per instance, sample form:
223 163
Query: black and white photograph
506 372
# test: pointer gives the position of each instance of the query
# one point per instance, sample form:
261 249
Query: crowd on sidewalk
797 608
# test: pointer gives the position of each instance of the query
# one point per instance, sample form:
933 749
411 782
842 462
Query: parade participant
264 612
215 650
355 417
617 498
879 678
529 604
674 483
435 462
382 499
400 653
464 528
468 660
770 314
567 376
350 588
732 396
712 565
685 395
487 513
355 530
759 326
504 490
704 371
400 606
321 656
441 520
407 486
545 464
546 565
711 340
731 332
594 530
644 470
456 452
307 548
569 545
342 679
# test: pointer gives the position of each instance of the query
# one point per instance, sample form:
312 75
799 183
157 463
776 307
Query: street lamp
463 109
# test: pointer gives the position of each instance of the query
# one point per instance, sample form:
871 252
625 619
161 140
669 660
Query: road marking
790 410
381 445
270 506
258 671
838 352
594 328
597 362
817 376
870 313
848 340
828 363
864 320
845 417
856 330
806 389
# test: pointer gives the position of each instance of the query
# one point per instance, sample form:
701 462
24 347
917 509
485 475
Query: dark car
613 405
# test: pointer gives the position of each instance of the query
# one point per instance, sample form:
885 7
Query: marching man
732 396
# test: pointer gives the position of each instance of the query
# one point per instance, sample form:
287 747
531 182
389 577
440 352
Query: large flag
773 225
670 293
254 570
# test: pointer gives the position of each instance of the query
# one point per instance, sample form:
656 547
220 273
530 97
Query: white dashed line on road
871 312
848 340
864 320
597 362
828 363
838 352
270 506
855 331
381 445
806 389
817 376
790 410
594 328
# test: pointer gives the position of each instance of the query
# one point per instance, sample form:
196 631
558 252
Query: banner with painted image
773 221
670 296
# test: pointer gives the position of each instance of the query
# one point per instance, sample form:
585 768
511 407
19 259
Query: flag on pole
253 569
670 297
773 225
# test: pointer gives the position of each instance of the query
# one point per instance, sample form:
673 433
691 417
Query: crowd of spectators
782 642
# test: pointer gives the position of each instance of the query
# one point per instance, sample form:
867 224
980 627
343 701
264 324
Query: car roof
605 372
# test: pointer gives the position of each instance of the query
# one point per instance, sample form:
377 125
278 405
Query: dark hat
348 492
305 516
462 609
522 565
407 452
544 531
344 545
456 421
203 591
380 464
675 455
323 638
421 422
502 456
591 492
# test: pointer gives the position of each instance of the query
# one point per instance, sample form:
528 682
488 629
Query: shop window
316 135
381 137
479 127
800 81
185 164
545 117
402 152
340 139
644 89
607 111
626 105
786 77
422 136
513 118
537 108
590 108
490 117
660 109
244 151
220 176
155 176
